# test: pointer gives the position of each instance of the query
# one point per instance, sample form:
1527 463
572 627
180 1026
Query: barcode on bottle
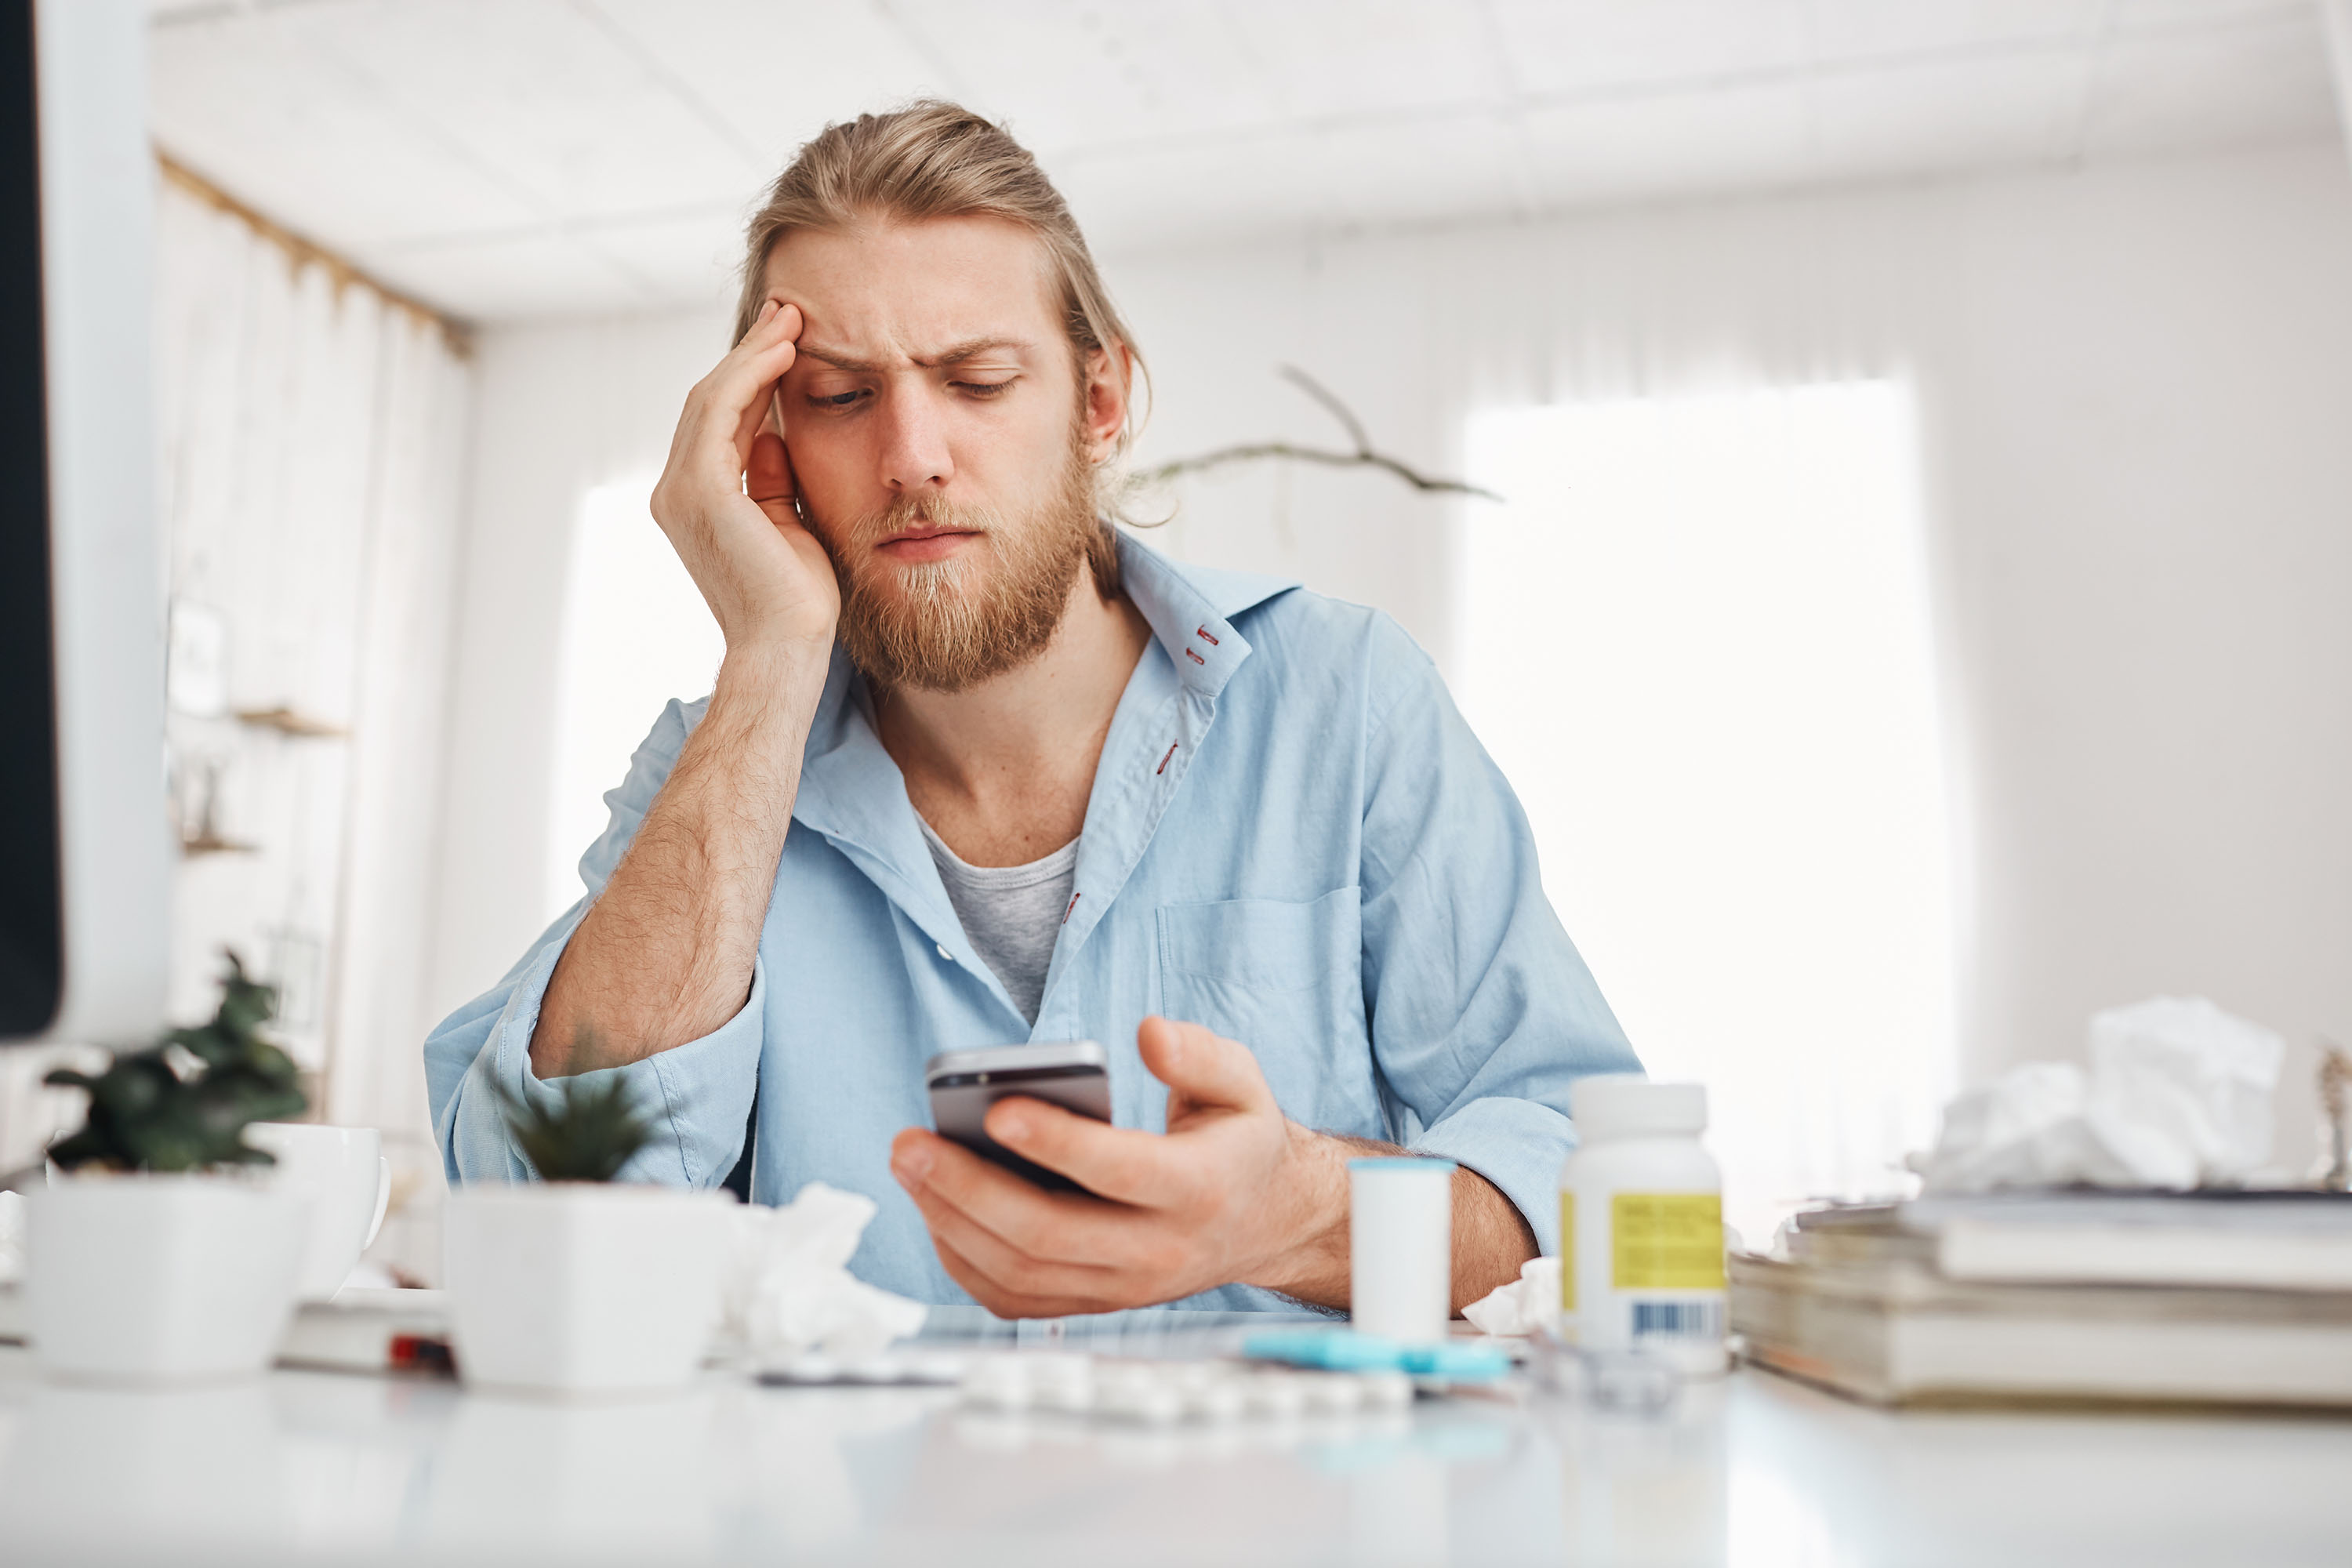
1680 1319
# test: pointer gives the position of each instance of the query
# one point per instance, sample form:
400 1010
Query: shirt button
944 953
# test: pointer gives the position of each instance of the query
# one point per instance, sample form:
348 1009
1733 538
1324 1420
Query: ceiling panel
2142 15
1558 46
687 260
249 103
546 157
553 105
776 74
2160 92
1843 30
1322 181
516 278
1071 73
1370 59
1754 136
1939 113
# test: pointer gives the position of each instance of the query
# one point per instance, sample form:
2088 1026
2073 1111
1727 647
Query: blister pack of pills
1165 1393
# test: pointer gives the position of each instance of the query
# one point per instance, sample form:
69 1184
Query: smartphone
1072 1074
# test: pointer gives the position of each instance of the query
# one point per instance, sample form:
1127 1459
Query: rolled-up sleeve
1482 1011
698 1095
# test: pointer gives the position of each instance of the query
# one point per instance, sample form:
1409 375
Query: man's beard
945 625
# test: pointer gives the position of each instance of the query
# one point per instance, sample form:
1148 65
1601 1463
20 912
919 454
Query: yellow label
1568 1252
1666 1241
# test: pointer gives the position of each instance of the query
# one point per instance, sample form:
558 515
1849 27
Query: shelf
287 721
190 849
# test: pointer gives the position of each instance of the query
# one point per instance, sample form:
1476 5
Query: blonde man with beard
977 768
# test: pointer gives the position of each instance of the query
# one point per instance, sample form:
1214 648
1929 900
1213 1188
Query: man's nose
915 454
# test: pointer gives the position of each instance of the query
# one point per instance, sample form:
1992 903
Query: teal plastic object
1344 1350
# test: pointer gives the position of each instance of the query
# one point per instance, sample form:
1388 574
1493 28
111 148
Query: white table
1750 1470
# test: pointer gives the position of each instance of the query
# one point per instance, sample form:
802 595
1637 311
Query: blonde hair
935 160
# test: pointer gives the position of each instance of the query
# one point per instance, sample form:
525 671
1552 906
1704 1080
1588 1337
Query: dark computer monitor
85 866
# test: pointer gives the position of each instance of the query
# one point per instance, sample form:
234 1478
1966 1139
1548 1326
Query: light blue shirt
1293 838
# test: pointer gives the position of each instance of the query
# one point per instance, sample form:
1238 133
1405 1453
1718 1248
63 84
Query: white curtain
311 434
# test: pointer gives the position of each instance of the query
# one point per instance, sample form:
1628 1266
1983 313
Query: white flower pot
581 1288
341 1174
152 1279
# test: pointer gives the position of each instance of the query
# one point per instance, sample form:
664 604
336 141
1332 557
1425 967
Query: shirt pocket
1285 979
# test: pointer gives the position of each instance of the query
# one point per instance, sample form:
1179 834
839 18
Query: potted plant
152 1256
579 1283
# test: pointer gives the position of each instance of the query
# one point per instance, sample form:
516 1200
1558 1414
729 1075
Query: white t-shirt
1011 913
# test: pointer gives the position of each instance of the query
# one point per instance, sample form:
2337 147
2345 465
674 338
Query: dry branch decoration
1363 455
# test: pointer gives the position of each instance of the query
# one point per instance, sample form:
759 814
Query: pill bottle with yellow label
1641 1224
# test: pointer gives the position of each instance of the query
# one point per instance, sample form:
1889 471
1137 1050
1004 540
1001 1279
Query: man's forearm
1491 1238
664 953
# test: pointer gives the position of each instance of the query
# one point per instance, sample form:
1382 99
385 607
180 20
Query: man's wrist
781 680
1306 1257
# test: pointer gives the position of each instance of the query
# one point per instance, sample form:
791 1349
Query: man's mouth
926 541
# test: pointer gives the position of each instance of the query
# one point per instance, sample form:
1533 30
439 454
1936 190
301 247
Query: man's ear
1108 373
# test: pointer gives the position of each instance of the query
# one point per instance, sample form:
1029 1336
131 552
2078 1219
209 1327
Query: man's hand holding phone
1233 1192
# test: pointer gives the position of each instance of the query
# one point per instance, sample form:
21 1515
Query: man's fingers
1006 1303
769 478
1007 1266
778 319
1066 1227
1121 1164
1201 1067
735 394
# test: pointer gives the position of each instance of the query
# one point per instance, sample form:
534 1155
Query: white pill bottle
1641 1224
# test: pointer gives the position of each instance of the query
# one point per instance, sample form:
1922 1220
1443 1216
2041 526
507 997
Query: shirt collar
1189 610
851 790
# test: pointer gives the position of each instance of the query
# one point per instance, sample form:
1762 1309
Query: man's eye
836 399
984 389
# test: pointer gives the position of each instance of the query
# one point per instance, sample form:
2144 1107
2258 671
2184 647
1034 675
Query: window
1697 640
635 634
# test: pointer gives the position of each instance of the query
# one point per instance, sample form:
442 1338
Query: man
977 768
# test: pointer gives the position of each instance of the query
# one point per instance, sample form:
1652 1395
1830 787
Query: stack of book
2204 1298
359 1331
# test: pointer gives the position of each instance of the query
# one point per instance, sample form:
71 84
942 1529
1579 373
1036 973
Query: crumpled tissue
789 1290
2178 1096
1527 1305
12 1237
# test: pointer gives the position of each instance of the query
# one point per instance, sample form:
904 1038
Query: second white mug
341 1173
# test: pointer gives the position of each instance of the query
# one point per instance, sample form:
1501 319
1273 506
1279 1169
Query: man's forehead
930 293
844 357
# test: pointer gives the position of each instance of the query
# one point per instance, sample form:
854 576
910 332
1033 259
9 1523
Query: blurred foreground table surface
314 1466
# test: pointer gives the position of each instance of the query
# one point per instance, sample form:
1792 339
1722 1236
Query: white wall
2133 383
563 409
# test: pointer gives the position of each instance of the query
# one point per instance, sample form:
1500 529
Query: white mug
342 1175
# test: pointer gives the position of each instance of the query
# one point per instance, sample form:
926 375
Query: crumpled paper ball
2178 1096
789 1289
1525 1306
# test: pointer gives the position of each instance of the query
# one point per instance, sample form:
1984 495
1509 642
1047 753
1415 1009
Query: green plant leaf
146 1116
590 1131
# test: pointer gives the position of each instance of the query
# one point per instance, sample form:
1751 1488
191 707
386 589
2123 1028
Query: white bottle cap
1613 1105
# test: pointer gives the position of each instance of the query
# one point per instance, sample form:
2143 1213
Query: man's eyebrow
954 354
